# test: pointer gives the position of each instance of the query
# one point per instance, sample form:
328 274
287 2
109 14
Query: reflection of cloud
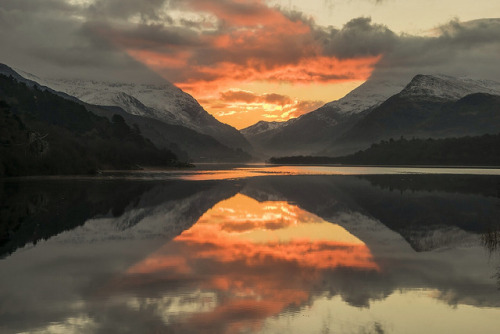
255 276
189 290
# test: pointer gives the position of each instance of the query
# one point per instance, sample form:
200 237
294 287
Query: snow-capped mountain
308 133
447 87
430 106
260 127
164 102
366 96
373 111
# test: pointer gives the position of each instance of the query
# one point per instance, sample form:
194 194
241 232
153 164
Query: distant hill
465 151
43 133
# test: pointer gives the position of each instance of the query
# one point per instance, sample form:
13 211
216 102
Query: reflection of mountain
251 261
32 211
446 214
252 252
415 206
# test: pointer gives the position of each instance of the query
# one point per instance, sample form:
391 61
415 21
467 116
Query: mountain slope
380 110
312 132
429 106
43 133
186 143
165 102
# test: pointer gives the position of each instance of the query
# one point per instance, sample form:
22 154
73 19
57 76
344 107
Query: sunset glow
235 43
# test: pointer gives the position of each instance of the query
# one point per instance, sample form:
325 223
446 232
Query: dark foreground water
245 251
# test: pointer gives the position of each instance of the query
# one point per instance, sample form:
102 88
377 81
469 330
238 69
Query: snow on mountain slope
373 92
366 96
369 94
163 102
260 127
447 87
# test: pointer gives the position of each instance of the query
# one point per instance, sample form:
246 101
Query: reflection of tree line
486 185
411 205
32 211
490 239
38 210
429 211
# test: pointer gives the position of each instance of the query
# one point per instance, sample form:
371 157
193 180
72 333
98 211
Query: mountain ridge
187 144
375 110
164 102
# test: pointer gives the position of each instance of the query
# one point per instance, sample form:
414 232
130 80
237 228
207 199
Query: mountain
164 102
428 106
260 127
313 131
186 143
43 133
447 88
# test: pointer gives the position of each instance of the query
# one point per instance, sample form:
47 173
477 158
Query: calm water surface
252 249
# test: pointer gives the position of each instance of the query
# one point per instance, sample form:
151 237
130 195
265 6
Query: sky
251 60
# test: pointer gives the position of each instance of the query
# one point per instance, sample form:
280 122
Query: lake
252 249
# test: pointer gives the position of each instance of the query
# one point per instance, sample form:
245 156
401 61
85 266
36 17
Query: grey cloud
54 37
38 6
358 37
459 48
147 9
54 40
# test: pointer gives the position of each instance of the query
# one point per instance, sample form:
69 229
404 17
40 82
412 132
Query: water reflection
295 254
246 261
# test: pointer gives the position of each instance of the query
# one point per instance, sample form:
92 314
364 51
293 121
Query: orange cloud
244 108
249 42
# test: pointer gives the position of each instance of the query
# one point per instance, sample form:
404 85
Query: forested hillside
42 133
464 151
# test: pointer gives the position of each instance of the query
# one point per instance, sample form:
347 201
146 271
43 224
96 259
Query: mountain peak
447 87
261 127
366 96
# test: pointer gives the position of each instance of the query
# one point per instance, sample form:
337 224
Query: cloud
232 104
250 97
243 41
124 9
455 48
210 46
52 39
358 38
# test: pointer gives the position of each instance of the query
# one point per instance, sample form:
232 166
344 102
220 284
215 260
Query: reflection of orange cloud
256 271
